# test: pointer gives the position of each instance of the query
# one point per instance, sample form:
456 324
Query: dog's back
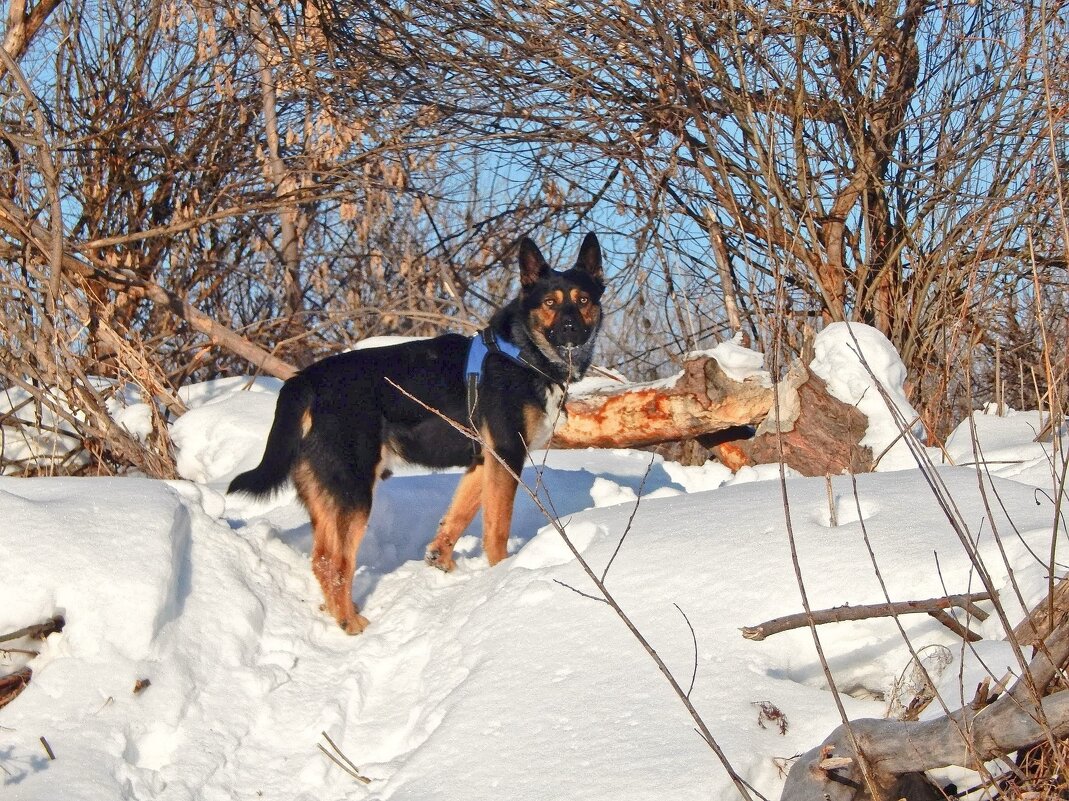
340 412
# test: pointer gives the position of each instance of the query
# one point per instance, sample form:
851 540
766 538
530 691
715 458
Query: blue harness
482 345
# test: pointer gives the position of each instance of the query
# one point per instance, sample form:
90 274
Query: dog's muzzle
569 332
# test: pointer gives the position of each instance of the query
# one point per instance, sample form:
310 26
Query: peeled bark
702 400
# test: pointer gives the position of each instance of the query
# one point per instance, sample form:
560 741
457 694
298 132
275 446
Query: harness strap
483 344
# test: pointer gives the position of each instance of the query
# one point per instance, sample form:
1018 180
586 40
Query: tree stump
815 433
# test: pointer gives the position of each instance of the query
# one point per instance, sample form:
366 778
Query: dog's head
562 309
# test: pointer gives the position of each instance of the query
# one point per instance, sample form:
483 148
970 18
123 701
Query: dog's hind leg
336 535
462 509
335 571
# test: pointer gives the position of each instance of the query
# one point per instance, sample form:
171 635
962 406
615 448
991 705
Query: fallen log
870 758
1047 615
702 400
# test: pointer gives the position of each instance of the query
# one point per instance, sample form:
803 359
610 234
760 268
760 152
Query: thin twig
341 760
578 591
630 520
866 768
694 643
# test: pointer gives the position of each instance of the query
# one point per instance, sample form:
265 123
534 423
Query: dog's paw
354 624
437 558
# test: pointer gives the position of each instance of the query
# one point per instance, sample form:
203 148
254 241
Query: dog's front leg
499 494
461 512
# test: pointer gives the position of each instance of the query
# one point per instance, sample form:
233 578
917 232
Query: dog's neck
560 365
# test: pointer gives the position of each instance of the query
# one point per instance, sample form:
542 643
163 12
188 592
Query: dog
341 422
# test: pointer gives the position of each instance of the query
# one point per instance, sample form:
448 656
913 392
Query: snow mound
1007 446
81 525
851 358
223 437
739 363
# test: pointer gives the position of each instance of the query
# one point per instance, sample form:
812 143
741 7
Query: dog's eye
583 300
549 303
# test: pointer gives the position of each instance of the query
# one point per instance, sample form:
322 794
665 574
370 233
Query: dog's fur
339 422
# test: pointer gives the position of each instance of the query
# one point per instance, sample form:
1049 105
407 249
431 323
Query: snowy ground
500 683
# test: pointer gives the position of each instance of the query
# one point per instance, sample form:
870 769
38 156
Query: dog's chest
544 421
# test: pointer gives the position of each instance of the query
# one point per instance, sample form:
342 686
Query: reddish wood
702 400
824 440
732 456
13 684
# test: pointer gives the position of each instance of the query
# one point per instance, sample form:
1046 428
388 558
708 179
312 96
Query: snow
856 361
738 362
489 683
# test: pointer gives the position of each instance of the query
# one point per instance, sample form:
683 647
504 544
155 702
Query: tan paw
436 557
354 624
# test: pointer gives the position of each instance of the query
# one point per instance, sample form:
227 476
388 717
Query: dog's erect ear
590 257
532 265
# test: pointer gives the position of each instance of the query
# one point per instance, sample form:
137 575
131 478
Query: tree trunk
288 247
701 400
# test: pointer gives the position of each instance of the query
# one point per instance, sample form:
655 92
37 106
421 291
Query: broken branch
839 614
38 631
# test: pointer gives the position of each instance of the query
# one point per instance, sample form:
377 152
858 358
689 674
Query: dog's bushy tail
283 443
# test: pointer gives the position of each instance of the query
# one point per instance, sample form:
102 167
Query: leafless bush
884 163
183 192
310 174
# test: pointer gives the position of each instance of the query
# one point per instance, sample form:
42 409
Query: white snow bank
223 437
469 685
485 683
81 526
851 358
1006 445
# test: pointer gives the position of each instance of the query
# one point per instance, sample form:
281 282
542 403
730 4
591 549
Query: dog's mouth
568 339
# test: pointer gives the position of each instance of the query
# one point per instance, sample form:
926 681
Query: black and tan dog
340 422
